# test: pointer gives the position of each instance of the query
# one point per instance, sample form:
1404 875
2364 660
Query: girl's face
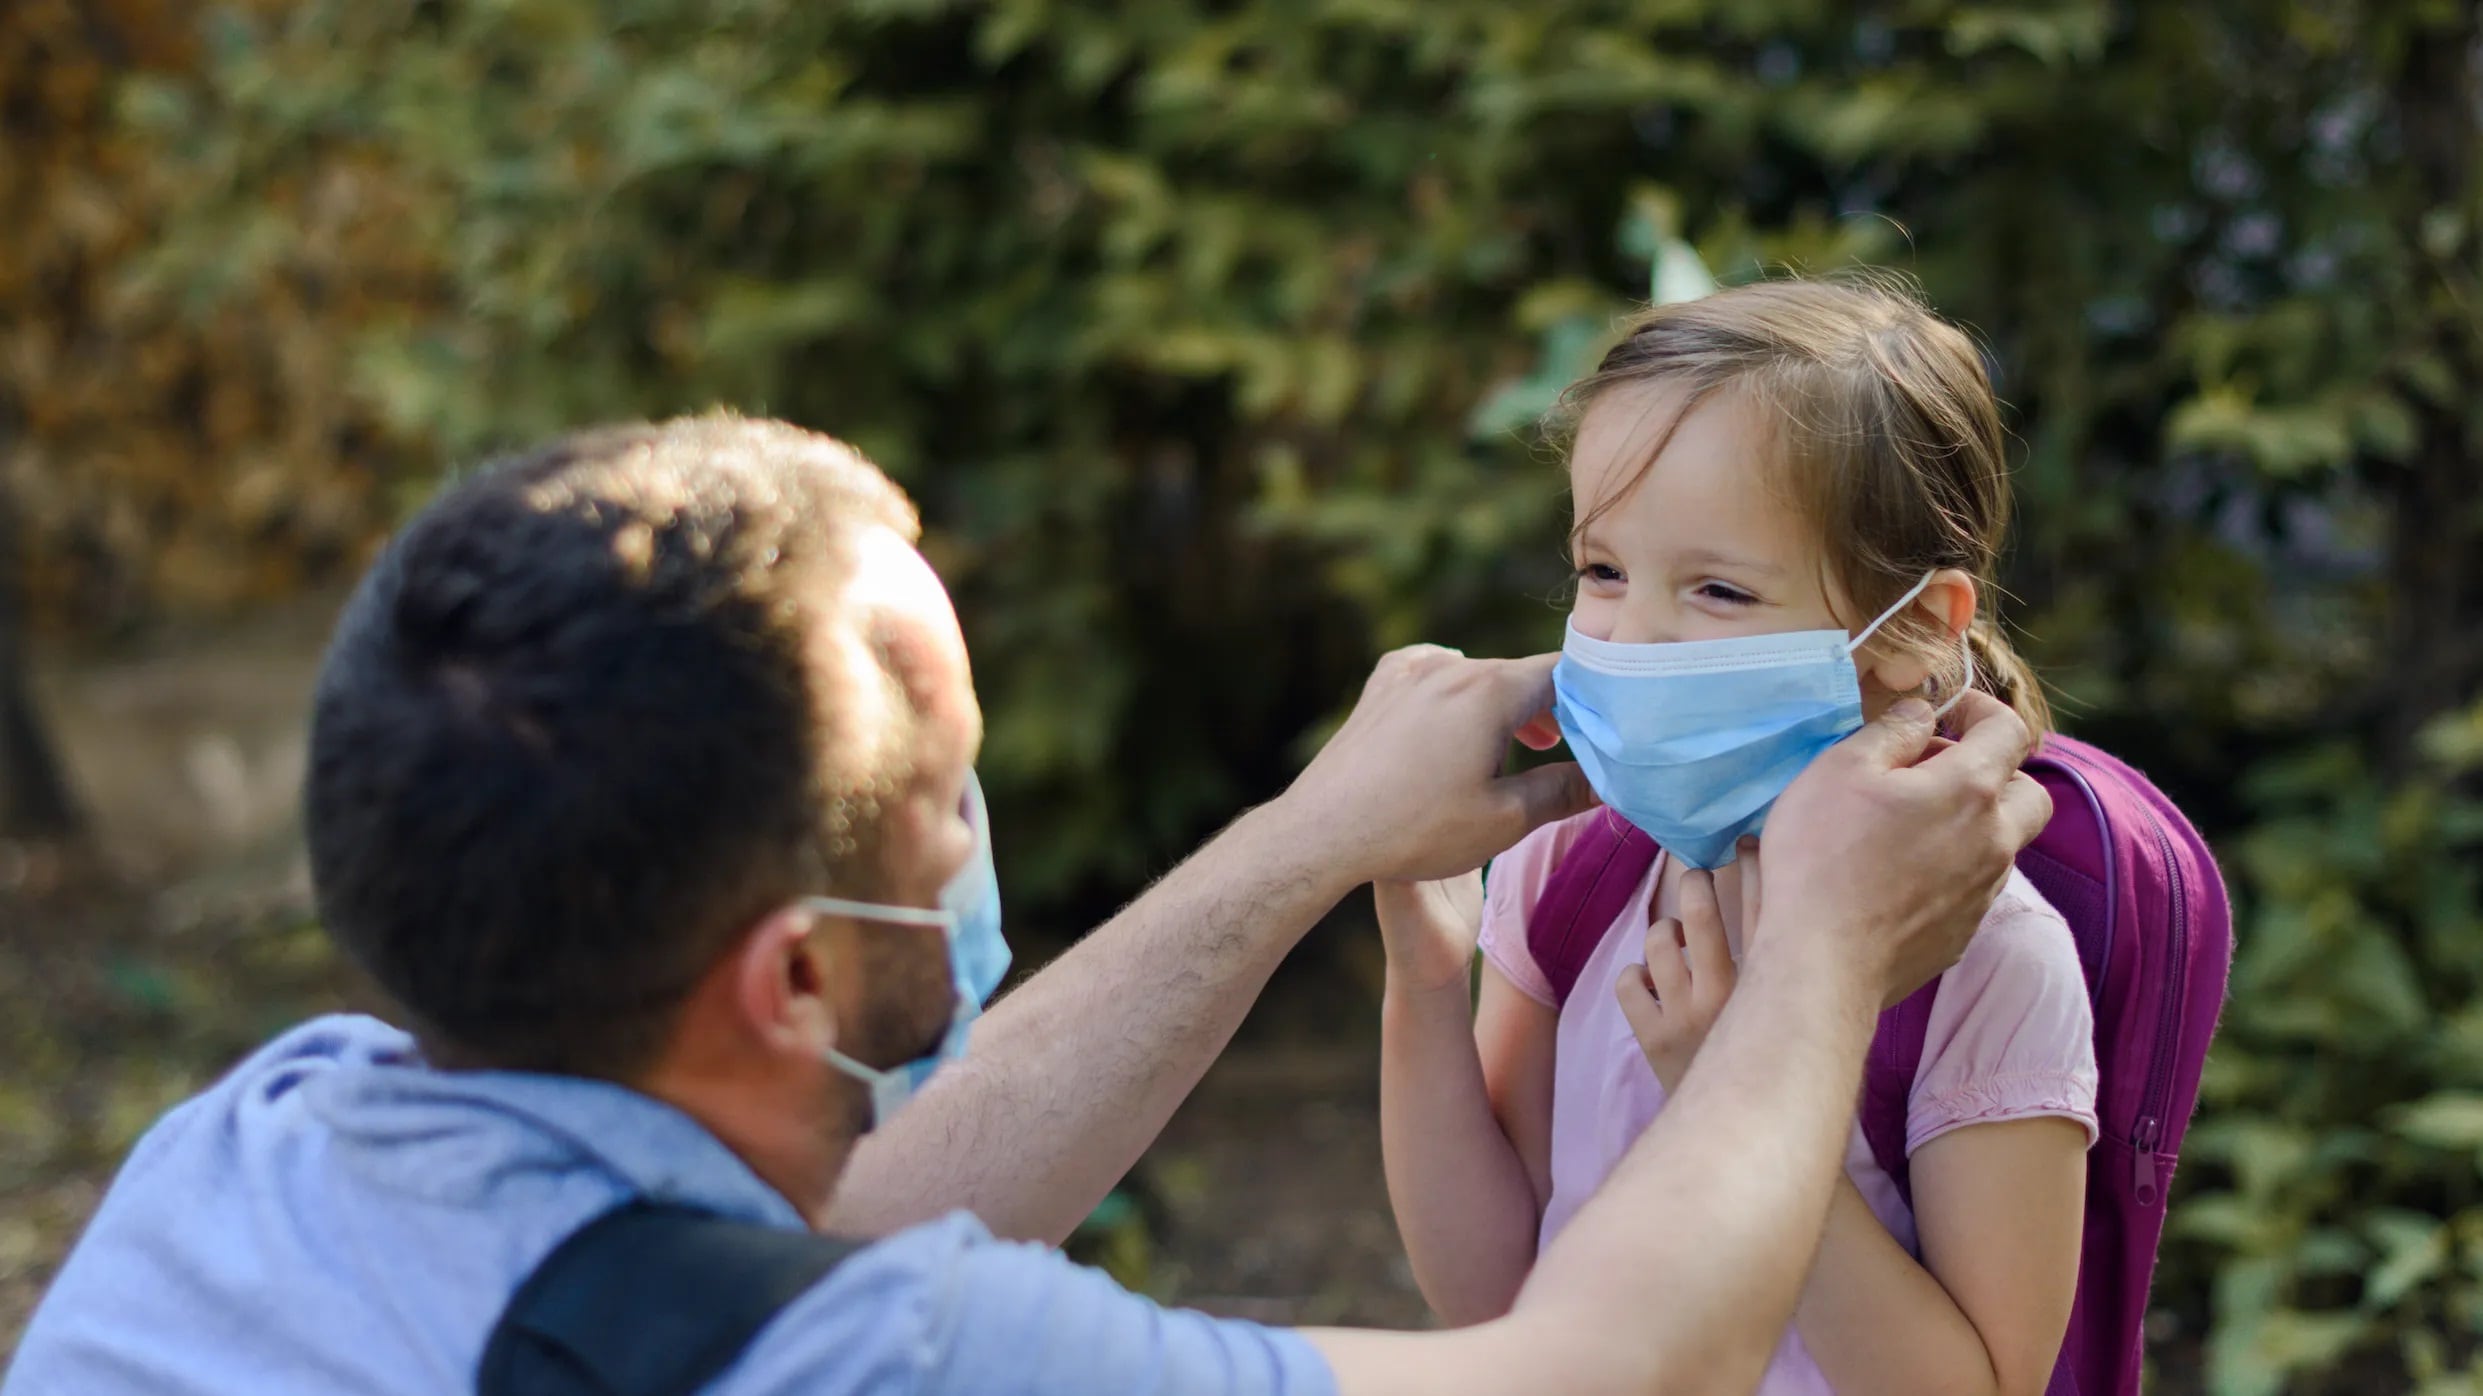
1705 546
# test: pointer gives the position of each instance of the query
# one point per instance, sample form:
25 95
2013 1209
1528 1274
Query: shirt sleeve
1511 887
1027 1320
2012 1035
945 1310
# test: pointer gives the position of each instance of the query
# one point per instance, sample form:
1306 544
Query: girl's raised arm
1465 1105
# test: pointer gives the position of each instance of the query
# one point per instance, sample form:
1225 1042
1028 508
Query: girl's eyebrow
1711 558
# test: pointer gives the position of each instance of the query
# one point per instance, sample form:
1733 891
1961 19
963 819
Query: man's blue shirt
335 1216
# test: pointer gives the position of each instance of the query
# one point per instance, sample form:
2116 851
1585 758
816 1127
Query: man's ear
780 979
1948 602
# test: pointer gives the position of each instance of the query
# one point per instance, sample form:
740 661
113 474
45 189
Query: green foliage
2338 1172
1116 1239
1210 338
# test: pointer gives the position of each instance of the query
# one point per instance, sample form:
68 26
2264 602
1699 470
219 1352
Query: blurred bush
2342 1117
166 449
1208 336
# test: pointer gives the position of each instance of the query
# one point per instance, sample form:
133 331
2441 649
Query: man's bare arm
1072 1075
1682 1272
1679 1275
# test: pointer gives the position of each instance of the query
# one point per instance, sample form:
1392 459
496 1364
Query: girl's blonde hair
1887 431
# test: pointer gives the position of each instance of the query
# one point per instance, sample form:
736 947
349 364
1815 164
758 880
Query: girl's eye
1731 595
1601 572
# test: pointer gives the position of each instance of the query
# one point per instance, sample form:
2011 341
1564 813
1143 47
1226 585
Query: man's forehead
888 573
895 608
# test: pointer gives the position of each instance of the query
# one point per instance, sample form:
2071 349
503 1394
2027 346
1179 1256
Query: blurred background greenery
1209 335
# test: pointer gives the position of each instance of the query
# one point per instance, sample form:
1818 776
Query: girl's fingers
1667 972
1638 1005
1702 930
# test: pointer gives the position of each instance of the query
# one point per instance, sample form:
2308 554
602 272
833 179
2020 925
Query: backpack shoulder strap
1587 889
1888 1084
649 1299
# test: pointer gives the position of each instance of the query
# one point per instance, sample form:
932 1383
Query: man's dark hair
577 729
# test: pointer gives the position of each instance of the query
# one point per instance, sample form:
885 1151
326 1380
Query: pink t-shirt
2011 1037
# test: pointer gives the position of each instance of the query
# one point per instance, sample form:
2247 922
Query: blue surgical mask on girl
1693 741
978 957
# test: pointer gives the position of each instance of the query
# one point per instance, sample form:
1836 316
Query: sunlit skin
747 1057
1702 543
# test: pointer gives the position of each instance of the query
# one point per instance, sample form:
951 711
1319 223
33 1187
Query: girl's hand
1429 929
1674 998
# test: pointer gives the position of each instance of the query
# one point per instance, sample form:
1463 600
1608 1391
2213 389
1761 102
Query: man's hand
1410 788
1890 858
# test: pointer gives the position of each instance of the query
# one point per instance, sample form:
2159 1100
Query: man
641 778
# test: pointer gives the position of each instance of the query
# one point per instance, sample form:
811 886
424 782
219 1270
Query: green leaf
2294 1341
2285 442
2455 739
2228 1220
2443 1120
747 320
2375 975
2413 1249
2053 35
1679 274
1568 353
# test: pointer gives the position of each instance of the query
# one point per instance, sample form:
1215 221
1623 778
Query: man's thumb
1546 793
1896 737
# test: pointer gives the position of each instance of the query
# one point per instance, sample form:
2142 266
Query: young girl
1792 456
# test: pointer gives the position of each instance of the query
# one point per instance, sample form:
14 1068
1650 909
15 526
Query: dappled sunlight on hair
1886 433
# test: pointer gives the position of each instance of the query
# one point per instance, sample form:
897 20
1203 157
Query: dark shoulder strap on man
649 1299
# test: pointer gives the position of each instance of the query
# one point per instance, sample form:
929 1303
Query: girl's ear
1903 661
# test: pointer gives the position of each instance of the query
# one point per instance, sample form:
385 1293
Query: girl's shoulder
2023 952
1512 885
2011 1033
1515 881
2022 928
1534 857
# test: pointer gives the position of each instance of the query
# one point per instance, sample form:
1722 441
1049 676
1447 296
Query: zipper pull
2142 1144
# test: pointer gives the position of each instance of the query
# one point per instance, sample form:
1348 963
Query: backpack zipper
2150 1128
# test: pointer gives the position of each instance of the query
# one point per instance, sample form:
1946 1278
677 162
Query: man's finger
2025 808
1895 738
1992 741
1546 793
1412 659
1525 686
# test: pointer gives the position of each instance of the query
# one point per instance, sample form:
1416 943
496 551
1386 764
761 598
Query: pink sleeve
2012 1036
1511 888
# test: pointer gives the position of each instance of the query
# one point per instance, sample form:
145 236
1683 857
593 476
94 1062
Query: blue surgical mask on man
1692 741
978 957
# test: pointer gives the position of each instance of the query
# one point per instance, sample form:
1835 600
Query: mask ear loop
1890 614
934 918
1967 645
889 1088
1940 714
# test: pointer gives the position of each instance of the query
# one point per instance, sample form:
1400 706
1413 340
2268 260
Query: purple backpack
2142 895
